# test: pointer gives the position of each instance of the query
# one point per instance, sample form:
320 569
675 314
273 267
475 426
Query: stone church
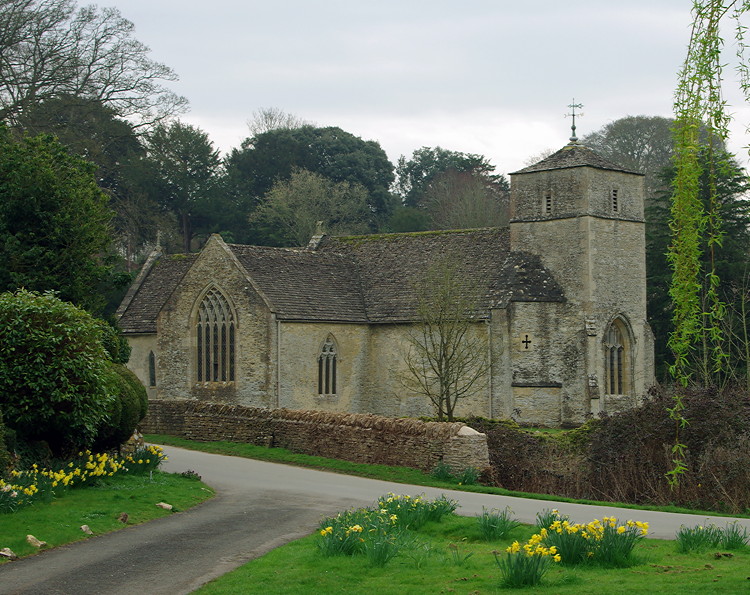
562 309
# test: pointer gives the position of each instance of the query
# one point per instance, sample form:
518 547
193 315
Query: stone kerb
363 438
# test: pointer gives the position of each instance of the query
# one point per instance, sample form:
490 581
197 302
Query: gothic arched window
327 368
617 359
215 327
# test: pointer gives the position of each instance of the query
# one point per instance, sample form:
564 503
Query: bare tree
51 48
464 200
273 118
447 354
293 207
736 327
537 157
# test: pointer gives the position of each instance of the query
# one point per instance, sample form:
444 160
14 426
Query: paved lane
260 506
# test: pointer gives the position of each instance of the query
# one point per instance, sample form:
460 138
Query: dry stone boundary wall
361 438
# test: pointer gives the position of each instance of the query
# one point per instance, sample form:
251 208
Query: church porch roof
151 290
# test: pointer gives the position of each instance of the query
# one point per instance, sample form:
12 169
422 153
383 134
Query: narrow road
259 506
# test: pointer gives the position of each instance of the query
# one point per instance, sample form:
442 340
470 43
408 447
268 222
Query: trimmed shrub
127 409
138 390
4 454
53 371
114 342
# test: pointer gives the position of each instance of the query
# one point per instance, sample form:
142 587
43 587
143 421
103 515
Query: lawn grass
298 568
99 507
386 473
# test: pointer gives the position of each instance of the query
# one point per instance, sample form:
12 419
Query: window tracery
215 329
327 368
617 359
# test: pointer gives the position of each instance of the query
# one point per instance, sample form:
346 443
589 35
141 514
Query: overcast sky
481 76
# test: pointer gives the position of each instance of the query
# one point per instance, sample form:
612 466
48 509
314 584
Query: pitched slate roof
358 279
151 290
573 155
304 285
391 266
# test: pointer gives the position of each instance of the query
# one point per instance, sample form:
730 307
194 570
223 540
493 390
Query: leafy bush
53 370
128 407
4 454
138 390
114 342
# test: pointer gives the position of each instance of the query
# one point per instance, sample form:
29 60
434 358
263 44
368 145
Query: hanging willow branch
700 119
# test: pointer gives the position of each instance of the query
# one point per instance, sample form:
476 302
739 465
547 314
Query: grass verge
431 566
99 507
386 473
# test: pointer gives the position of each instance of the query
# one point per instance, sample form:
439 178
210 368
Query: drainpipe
278 363
491 362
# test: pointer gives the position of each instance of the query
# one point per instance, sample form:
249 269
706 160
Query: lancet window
617 359
327 368
151 369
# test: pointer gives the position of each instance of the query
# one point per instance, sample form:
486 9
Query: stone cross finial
573 106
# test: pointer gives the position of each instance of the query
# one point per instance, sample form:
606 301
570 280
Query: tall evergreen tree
54 222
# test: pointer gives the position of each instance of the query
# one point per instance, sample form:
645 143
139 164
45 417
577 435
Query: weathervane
573 106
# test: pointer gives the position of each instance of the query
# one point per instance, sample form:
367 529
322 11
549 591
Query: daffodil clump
42 485
607 541
495 524
378 533
413 512
145 459
525 565
342 535
700 538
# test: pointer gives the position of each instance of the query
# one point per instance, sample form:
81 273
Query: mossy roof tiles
573 155
392 265
305 285
361 279
148 294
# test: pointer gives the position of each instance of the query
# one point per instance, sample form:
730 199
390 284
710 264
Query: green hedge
126 410
4 454
53 371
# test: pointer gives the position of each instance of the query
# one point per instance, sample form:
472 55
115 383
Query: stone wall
352 437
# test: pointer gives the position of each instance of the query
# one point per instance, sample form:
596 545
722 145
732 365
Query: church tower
584 217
